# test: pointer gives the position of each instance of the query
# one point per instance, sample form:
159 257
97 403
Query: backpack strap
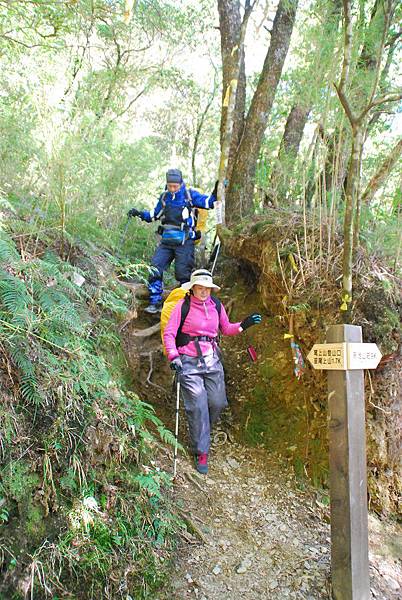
218 306
182 339
163 201
189 198
185 308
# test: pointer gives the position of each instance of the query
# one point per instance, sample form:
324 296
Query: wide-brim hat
200 277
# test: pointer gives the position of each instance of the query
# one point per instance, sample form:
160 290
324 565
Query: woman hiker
194 354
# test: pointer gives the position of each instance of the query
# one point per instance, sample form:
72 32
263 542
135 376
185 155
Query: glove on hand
133 212
253 319
177 365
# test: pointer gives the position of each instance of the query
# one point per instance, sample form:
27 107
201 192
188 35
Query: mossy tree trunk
239 197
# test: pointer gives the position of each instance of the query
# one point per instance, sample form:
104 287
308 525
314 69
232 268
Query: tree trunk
364 103
230 22
239 198
367 64
288 152
300 111
353 176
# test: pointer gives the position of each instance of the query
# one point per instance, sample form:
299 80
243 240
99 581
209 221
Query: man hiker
191 347
176 210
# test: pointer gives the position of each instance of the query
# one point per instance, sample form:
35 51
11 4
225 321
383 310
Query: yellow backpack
169 304
202 217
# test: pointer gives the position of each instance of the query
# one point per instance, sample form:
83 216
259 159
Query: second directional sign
344 356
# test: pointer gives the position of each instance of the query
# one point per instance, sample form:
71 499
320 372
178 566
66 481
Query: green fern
8 251
149 483
15 300
167 436
28 381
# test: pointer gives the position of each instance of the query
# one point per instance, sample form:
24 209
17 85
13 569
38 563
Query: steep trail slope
254 529
262 537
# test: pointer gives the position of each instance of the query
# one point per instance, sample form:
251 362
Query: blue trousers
161 260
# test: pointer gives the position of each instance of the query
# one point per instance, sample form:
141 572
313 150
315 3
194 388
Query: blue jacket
176 209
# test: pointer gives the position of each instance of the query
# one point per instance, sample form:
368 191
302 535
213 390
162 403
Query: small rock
243 566
78 279
216 570
273 585
189 578
392 583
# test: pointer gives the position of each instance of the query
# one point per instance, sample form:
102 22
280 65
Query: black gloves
215 190
133 212
177 365
253 319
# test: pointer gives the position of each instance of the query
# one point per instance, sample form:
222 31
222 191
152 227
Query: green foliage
17 480
68 373
4 513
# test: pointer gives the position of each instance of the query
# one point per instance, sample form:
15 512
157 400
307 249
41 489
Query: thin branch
379 101
382 173
345 103
29 46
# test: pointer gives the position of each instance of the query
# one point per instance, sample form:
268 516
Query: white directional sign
363 356
344 356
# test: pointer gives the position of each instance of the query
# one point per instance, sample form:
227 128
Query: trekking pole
214 254
123 236
176 432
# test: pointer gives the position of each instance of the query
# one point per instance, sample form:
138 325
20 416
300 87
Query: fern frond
15 299
8 252
168 437
28 381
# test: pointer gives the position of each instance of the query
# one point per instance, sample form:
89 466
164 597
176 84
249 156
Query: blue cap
174 176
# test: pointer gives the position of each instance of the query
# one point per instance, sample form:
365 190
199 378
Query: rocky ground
257 535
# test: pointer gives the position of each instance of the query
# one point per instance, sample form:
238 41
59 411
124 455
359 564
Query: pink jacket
202 319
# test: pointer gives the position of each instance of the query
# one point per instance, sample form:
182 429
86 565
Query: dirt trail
262 537
254 533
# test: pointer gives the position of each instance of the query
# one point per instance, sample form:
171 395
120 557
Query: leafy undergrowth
84 509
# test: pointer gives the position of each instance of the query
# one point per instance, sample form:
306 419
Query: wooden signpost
345 357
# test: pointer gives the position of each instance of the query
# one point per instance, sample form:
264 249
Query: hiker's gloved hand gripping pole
133 212
177 365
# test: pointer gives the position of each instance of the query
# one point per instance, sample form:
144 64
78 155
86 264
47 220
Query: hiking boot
201 463
153 309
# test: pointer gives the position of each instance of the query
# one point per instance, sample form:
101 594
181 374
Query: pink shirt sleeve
226 326
169 335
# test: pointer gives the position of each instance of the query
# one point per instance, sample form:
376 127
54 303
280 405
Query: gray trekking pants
203 391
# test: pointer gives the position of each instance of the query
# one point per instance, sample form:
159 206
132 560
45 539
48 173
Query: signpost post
345 357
